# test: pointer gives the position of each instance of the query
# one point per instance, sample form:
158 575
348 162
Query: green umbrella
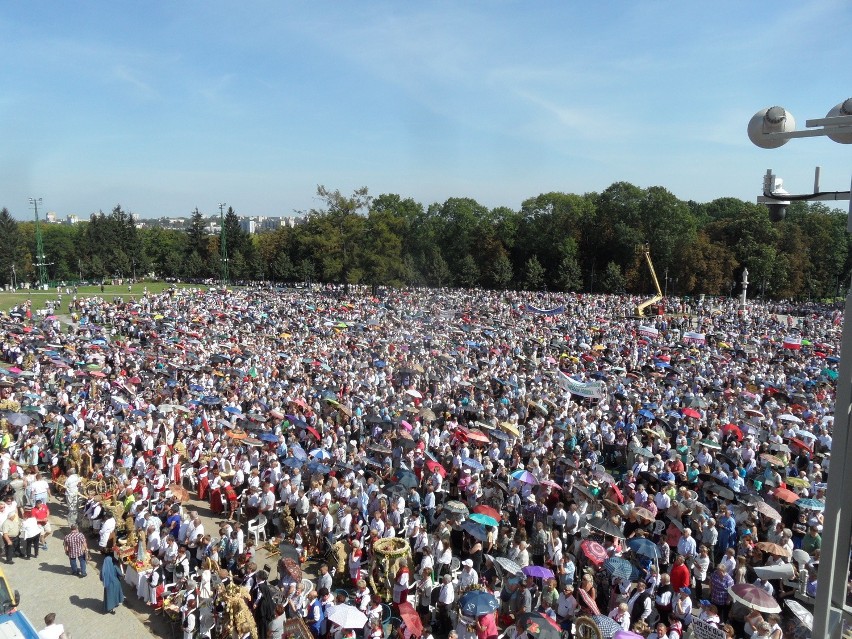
483 519
830 373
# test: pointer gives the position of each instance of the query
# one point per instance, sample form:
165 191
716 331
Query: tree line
556 241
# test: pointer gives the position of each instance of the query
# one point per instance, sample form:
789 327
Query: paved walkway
46 585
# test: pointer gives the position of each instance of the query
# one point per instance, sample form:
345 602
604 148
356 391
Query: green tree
501 271
10 248
612 280
197 234
193 266
468 273
569 275
533 274
438 270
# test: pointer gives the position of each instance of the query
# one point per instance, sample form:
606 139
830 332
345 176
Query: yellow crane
640 309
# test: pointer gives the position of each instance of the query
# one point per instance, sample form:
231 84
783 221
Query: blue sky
164 106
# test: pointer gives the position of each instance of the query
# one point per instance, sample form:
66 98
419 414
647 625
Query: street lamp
770 129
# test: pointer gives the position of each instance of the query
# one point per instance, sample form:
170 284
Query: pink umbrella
406 425
754 597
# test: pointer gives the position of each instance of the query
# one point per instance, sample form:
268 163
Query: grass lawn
41 298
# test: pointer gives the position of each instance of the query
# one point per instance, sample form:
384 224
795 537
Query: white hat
468 563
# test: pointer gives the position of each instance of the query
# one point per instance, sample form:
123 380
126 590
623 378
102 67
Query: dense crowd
547 457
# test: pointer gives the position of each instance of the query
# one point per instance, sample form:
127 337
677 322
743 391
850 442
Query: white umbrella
787 417
413 393
347 617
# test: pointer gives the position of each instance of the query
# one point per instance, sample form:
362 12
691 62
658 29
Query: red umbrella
488 510
411 619
733 428
691 412
785 494
616 491
477 436
435 467
588 602
594 552
801 444
313 431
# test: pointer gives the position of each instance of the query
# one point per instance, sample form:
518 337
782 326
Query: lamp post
41 265
770 129
223 244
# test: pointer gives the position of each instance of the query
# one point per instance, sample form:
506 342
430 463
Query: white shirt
447 594
53 631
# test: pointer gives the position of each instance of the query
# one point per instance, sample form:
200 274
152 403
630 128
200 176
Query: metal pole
837 518
834 559
41 266
223 244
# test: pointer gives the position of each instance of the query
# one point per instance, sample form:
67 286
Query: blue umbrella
210 400
316 467
470 462
233 410
171 383
320 453
406 479
644 547
298 452
268 437
379 363
810 504
195 388
477 531
475 603
499 434
646 414
618 567
292 462
301 423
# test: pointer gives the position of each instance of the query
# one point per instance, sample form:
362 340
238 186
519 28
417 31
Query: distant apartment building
72 219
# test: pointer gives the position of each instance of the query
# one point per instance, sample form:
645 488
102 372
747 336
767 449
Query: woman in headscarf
111 579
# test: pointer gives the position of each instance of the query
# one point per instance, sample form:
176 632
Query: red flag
204 424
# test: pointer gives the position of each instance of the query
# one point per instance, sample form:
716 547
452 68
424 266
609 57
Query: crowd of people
547 451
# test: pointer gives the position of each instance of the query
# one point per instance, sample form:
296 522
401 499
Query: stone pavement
46 585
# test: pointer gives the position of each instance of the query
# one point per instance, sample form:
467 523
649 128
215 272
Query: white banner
648 331
594 390
704 630
694 338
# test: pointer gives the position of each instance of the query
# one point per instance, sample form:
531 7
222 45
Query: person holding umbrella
486 626
720 581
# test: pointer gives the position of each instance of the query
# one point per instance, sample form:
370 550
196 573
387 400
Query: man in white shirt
446 597
686 546
52 630
468 576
